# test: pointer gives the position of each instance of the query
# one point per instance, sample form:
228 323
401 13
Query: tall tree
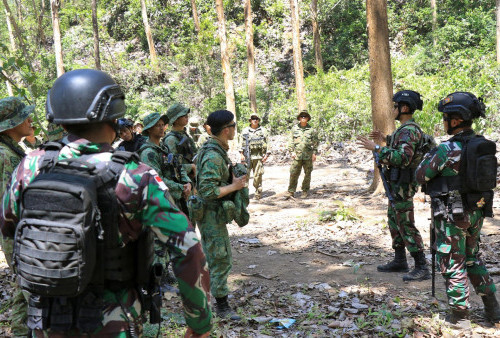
226 64
252 95
316 36
297 55
380 72
434 20
54 10
149 36
498 30
11 32
195 16
40 36
95 28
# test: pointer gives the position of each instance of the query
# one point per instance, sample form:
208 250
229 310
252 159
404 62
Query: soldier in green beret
15 123
303 145
178 141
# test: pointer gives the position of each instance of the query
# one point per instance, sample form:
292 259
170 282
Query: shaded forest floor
314 261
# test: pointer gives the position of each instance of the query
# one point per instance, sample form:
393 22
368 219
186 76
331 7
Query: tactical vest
184 146
64 256
170 163
472 188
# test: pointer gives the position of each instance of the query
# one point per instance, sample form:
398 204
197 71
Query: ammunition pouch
196 208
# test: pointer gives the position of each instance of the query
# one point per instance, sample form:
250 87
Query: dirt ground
314 261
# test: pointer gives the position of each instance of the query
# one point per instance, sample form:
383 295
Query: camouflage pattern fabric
457 239
295 169
204 136
303 142
18 304
258 170
257 141
145 202
399 153
156 157
13 112
213 172
171 141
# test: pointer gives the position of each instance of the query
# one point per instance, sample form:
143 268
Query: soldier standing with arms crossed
400 158
458 216
303 145
213 185
255 137
15 123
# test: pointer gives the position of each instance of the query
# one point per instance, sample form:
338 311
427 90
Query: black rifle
246 152
184 148
433 252
155 293
387 187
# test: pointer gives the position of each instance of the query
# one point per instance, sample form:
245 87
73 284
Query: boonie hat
13 112
304 112
175 111
151 119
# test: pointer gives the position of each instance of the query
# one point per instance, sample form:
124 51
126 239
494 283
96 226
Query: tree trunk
95 27
252 95
380 72
297 56
7 83
149 36
40 36
226 64
316 36
434 21
54 9
19 11
498 30
195 16
11 33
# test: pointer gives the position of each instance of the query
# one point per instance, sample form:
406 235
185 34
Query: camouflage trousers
217 249
402 221
295 170
458 256
258 171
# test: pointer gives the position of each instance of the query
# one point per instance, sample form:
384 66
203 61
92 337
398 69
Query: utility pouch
438 207
394 174
38 312
455 204
196 208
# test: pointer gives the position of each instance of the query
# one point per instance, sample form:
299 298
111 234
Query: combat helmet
464 104
410 97
84 96
13 112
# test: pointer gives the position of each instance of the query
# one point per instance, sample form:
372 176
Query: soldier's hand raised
377 136
366 143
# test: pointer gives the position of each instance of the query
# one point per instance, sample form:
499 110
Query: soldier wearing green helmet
178 141
15 123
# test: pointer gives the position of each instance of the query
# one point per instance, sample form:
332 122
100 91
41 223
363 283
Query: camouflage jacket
11 154
204 136
444 160
174 175
187 150
143 197
401 146
257 140
213 171
303 142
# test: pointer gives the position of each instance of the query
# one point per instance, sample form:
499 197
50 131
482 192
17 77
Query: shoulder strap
206 147
52 150
11 147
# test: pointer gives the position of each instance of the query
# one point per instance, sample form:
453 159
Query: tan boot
288 195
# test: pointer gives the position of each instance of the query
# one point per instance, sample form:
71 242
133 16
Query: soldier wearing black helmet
131 140
400 157
459 175
109 302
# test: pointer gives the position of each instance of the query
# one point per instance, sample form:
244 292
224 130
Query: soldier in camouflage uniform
178 141
205 135
15 123
458 236
141 194
213 185
400 158
303 145
256 136
195 130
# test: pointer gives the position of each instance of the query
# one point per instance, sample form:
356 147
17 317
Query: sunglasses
231 125
255 119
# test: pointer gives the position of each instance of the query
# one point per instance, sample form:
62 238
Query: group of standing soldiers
458 211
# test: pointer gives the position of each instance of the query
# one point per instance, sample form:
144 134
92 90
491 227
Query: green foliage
339 213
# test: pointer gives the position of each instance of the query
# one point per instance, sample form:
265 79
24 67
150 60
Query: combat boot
304 194
398 264
421 270
458 320
224 311
491 308
288 195
257 196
